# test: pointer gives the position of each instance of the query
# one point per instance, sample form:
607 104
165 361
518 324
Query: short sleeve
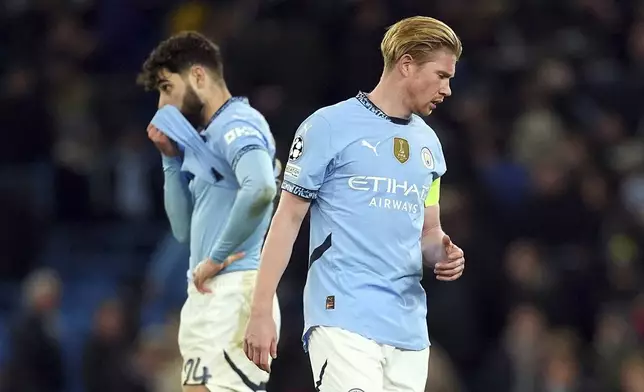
238 138
441 164
309 157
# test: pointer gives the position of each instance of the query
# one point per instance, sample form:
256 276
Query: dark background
545 188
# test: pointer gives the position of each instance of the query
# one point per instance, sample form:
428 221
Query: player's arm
439 253
431 241
247 152
177 198
164 130
278 247
310 154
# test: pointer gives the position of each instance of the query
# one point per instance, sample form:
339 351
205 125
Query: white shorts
344 361
211 335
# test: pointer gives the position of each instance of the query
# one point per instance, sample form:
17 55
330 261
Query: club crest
428 158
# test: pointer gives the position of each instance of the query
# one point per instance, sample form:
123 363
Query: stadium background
544 192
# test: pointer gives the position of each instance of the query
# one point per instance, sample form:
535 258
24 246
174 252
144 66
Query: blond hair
419 37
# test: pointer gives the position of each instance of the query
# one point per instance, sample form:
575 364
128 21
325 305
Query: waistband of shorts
233 278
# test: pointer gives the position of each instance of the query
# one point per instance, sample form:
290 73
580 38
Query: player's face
176 90
429 82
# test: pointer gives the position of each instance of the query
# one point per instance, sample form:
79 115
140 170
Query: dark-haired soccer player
369 169
223 212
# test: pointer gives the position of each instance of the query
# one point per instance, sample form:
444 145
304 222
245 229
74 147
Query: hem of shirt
307 334
225 271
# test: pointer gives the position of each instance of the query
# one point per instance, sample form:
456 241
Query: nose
162 102
446 91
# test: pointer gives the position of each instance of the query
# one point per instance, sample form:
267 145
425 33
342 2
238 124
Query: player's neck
389 97
214 102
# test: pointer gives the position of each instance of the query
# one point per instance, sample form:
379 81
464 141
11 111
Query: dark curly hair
176 54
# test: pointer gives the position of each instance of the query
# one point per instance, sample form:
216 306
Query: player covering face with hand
369 169
219 168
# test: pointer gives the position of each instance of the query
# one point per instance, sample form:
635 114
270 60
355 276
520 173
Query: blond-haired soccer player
369 169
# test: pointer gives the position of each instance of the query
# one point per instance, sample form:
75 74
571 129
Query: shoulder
419 123
239 121
424 130
329 121
244 112
431 148
337 114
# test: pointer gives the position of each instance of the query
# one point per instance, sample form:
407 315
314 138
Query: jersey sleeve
309 158
240 137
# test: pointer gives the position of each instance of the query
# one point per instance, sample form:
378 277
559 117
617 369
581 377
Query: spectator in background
441 376
36 363
562 368
632 375
106 352
146 365
515 366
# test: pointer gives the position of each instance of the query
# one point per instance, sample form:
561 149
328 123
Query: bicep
434 194
432 208
256 167
292 208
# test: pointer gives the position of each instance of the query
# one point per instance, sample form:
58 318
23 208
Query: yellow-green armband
434 194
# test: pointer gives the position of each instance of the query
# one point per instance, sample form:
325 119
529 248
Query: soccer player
369 169
223 212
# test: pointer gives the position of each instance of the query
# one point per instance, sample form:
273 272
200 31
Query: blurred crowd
544 138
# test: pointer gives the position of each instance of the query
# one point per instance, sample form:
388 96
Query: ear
405 64
199 74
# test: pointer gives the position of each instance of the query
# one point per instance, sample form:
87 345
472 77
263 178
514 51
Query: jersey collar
224 106
366 102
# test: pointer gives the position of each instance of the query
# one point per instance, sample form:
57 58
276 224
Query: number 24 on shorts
192 369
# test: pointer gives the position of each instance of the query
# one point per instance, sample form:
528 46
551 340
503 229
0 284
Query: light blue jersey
203 210
367 176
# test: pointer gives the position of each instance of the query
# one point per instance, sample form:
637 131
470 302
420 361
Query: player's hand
162 142
452 263
208 269
261 340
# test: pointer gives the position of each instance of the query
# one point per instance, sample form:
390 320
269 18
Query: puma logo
369 146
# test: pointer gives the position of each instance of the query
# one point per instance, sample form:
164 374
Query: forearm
255 174
275 257
177 199
431 245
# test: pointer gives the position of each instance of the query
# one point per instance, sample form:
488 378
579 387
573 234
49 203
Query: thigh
211 337
406 371
344 361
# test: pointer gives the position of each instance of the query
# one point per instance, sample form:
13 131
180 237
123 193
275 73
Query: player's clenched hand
209 268
452 264
261 340
162 142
